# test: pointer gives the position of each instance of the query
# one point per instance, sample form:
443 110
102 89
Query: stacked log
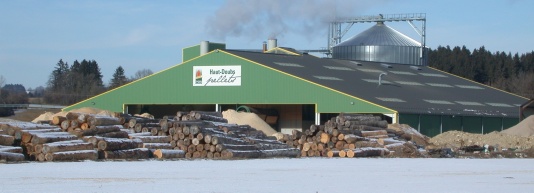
34 147
11 154
72 150
116 148
351 135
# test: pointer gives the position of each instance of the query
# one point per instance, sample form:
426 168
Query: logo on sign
198 76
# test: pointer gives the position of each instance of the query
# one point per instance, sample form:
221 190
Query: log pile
208 135
352 135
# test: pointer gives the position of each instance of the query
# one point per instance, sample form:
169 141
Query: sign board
216 75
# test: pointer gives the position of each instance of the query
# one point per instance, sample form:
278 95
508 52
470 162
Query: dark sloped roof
380 35
406 89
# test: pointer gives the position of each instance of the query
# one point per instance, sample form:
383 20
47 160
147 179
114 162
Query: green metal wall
259 85
432 125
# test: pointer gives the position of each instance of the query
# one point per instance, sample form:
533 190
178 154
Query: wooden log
387 141
118 134
370 123
155 130
111 144
26 135
95 130
325 138
100 120
38 148
72 116
65 125
374 133
93 140
132 135
48 137
296 134
41 157
339 144
342 153
72 155
11 157
134 120
11 149
378 136
13 128
196 155
395 147
153 139
289 152
66 146
7 140
333 153
373 143
216 139
351 138
56 120
233 154
127 154
207 139
169 154
158 146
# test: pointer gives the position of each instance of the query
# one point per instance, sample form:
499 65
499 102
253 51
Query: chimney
271 43
204 47
264 48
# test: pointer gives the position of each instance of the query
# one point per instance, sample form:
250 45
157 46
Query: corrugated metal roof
380 35
422 91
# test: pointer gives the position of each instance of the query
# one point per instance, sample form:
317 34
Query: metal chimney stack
204 47
271 43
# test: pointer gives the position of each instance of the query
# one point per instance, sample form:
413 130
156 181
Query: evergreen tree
119 78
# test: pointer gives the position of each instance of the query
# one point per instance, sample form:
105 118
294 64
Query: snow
273 175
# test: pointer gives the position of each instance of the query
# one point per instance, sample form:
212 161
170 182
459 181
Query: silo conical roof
380 35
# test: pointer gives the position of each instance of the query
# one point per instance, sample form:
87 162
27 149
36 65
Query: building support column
317 118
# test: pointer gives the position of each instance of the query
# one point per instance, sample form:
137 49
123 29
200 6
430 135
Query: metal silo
380 43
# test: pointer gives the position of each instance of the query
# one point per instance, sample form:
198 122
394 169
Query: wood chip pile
79 136
355 135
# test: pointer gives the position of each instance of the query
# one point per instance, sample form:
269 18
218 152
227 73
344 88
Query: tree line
511 73
69 84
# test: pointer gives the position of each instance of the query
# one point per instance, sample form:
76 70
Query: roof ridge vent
415 68
357 63
386 65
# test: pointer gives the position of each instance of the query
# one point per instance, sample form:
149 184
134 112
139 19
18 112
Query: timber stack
353 135
194 135
208 135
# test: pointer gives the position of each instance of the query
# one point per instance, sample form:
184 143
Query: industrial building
293 90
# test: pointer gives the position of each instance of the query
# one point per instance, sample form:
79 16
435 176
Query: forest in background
511 73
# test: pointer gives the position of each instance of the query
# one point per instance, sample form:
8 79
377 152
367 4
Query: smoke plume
274 18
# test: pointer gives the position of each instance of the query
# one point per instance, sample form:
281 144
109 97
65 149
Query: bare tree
2 82
142 73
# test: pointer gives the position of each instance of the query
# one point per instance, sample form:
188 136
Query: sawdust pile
524 128
457 139
251 119
85 110
47 116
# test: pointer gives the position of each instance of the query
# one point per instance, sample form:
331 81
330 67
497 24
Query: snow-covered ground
273 175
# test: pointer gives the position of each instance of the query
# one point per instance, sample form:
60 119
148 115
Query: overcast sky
35 35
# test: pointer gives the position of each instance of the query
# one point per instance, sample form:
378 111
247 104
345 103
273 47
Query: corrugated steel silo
380 43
